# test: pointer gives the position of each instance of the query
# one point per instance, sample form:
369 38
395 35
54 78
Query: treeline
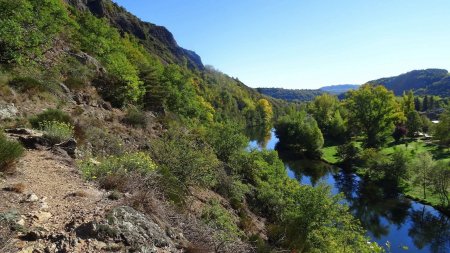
291 95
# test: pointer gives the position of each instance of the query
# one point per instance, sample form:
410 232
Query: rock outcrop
134 230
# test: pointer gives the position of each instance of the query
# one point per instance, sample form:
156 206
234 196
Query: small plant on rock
135 118
112 172
57 132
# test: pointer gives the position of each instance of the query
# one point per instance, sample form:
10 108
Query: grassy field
414 146
329 154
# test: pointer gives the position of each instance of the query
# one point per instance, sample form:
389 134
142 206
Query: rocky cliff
157 39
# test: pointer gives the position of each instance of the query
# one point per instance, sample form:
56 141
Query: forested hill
303 95
157 39
98 43
422 82
291 94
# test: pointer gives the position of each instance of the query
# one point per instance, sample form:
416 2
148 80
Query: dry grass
17 188
117 182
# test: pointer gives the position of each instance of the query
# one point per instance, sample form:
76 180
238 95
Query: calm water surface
385 214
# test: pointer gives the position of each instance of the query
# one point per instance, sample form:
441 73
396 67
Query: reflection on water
386 214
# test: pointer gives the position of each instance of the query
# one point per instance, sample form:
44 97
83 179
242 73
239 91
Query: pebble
42 216
21 222
32 198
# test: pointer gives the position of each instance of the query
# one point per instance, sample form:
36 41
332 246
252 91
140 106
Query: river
407 225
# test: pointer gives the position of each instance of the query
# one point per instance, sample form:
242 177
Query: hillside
340 88
291 94
305 95
157 39
422 82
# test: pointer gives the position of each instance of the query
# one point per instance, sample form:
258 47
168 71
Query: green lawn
416 192
329 154
415 147
419 146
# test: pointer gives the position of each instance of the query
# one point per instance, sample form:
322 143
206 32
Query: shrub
112 171
50 115
56 132
300 132
114 195
399 132
10 152
186 157
135 118
226 139
104 143
348 152
28 84
237 192
219 218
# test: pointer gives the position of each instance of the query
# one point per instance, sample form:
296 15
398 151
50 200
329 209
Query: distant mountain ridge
339 88
422 82
304 95
294 95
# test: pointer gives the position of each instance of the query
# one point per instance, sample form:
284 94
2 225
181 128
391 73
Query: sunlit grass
329 152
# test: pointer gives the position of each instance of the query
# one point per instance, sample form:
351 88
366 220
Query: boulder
69 146
132 228
8 111
30 139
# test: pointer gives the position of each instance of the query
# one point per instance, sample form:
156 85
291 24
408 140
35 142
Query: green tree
442 129
417 104
373 110
421 171
426 124
425 104
413 123
131 89
408 102
300 132
324 108
400 162
29 28
264 108
348 152
440 178
338 128
226 139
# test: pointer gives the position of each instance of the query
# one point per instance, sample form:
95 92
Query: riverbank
329 155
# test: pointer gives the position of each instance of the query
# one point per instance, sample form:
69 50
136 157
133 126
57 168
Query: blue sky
307 43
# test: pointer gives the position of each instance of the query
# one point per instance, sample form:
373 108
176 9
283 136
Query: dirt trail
55 195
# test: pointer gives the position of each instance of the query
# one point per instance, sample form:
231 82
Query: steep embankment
49 207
